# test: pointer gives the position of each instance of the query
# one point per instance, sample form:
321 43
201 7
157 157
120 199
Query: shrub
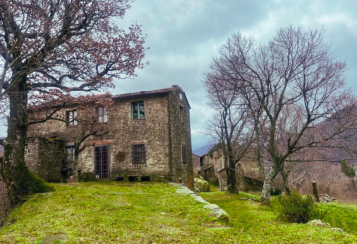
275 192
347 170
298 208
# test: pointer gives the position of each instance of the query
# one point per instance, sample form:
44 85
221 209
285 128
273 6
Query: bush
275 192
298 208
347 170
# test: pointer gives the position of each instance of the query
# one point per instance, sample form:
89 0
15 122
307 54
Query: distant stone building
195 164
145 136
213 168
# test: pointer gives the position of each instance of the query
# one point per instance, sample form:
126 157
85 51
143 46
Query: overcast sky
183 36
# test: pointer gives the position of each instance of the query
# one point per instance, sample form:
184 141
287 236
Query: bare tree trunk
267 186
75 177
285 176
13 169
232 180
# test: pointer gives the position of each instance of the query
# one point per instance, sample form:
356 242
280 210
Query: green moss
33 184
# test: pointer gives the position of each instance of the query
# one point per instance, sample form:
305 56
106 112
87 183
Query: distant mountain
203 150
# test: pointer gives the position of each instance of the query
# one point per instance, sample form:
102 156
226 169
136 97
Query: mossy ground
112 212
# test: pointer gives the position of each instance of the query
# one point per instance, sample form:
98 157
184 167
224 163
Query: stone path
216 211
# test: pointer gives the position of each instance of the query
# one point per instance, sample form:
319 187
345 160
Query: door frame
95 161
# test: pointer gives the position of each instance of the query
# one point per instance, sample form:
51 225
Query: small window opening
145 178
181 114
133 178
184 154
119 178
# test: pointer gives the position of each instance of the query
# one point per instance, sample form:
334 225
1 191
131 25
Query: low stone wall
216 212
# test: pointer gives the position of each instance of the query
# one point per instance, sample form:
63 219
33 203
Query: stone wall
196 165
180 135
46 158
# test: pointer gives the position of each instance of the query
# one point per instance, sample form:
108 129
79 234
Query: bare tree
90 120
229 125
294 81
58 46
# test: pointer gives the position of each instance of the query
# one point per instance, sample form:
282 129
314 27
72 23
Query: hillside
111 212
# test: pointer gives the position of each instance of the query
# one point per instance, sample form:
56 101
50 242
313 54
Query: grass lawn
112 212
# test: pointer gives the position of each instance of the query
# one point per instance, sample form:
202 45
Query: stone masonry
163 137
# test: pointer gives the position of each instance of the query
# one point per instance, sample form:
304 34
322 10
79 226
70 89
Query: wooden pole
315 192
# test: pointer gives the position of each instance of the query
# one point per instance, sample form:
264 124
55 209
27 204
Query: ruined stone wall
180 135
45 158
196 165
163 152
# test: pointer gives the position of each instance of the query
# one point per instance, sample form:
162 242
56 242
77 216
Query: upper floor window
138 154
72 117
138 110
181 114
102 114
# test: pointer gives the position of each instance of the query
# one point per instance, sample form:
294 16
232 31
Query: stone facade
145 136
196 165
213 169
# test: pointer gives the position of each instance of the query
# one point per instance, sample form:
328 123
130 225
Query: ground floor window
138 154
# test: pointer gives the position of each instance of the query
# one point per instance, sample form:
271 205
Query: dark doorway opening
101 162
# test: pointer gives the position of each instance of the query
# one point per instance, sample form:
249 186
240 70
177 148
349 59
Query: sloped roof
92 98
148 93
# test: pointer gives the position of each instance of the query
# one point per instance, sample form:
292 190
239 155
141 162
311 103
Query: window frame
69 148
102 114
72 117
182 114
137 103
138 153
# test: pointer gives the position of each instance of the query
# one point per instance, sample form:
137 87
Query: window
138 110
70 152
184 154
181 114
72 117
138 154
102 114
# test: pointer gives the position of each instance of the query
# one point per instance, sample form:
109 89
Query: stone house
213 168
144 136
